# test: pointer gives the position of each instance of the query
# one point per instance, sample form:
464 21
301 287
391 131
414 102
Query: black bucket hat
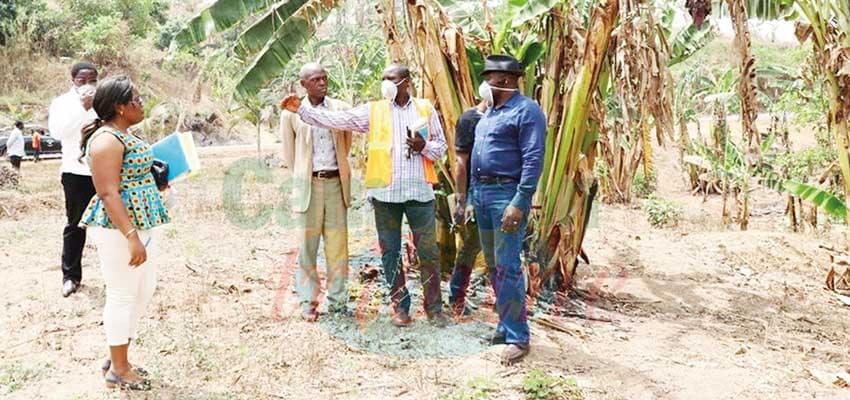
502 63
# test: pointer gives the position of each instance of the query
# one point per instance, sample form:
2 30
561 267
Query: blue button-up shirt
510 142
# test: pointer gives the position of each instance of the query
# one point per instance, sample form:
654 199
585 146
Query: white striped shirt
408 176
324 150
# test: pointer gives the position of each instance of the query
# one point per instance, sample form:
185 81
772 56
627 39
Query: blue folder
179 152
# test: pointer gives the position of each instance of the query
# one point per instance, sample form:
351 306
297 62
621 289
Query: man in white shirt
66 117
15 145
321 194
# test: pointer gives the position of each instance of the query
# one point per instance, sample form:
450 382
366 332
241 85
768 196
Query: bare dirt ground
698 311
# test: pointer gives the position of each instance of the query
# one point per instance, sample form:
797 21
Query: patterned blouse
138 189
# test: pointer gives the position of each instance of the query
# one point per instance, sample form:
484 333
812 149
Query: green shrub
642 187
661 213
35 23
89 28
102 40
8 15
143 16
802 165
538 385
167 32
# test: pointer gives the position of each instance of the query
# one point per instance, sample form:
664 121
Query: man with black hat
506 163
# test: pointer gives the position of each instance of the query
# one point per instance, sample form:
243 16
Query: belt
326 174
489 180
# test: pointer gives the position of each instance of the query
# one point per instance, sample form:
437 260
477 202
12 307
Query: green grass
480 388
538 385
717 56
15 376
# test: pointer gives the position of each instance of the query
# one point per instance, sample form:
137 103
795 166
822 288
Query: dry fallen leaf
843 379
830 279
840 379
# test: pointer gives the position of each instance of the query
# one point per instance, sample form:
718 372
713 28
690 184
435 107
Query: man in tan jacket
321 194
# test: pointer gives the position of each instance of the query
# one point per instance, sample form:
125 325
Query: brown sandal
107 364
114 381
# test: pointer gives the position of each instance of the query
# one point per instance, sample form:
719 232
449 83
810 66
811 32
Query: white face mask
485 91
389 89
85 89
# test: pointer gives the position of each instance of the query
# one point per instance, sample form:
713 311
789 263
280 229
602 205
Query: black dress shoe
69 287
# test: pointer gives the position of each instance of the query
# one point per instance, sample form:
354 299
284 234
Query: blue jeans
421 217
502 253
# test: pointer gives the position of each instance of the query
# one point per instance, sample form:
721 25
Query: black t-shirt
465 134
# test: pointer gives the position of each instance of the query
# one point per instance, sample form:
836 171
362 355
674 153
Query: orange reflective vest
379 165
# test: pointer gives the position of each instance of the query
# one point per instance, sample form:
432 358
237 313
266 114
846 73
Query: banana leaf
689 41
284 45
527 10
476 66
821 198
769 9
258 34
531 52
219 16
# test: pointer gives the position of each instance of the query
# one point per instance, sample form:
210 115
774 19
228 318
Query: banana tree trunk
840 132
395 42
440 53
791 211
746 83
445 237
570 187
830 28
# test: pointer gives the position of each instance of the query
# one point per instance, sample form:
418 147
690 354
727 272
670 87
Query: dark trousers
36 155
421 217
464 263
79 190
16 162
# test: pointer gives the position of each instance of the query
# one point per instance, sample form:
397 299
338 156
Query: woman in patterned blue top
122 220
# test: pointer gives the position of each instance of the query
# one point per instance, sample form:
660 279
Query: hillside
172 82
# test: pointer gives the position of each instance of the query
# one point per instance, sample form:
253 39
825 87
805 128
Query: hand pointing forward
291 103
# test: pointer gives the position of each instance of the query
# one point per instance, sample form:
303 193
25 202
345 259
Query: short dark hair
19 125
81 66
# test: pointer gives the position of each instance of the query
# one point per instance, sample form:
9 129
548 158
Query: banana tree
278 31
566 195
740 11
746 83
829 30
639 99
